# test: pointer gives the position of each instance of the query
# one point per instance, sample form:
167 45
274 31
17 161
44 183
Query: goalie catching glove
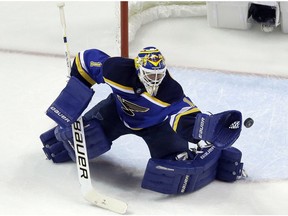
221 129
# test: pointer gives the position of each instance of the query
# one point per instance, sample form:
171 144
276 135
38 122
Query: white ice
33 74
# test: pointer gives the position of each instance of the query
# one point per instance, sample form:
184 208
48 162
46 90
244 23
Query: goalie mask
151 68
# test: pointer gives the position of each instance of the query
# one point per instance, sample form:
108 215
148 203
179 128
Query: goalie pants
162 140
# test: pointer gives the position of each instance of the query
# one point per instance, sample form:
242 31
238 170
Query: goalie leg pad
178 177
221 129
71 102
54 149
96 141
229 165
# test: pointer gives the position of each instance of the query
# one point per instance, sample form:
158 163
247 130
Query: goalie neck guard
151 68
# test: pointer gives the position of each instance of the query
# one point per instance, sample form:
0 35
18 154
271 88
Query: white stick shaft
88 191
81 156
63 23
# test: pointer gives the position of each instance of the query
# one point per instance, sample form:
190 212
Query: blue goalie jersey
136 108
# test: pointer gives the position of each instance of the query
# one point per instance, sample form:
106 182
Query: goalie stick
87 189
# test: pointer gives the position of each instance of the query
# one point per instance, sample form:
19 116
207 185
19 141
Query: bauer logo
80 150
60 114
164 168
207 152
201 127
186 180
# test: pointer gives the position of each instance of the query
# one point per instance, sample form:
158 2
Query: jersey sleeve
87 66
183 121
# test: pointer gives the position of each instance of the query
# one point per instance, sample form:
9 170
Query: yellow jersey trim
82 72
118 86
177 118
155 100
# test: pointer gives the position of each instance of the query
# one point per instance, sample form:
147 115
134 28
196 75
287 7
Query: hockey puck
248 122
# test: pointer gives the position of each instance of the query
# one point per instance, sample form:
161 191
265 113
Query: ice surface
30 185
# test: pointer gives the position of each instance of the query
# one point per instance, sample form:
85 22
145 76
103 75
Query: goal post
124 28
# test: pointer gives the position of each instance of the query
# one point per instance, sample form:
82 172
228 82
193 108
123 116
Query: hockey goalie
147 102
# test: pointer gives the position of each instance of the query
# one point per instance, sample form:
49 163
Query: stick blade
106 202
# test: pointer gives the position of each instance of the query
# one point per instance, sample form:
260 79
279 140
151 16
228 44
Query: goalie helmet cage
134 14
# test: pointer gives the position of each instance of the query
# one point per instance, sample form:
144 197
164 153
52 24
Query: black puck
248 122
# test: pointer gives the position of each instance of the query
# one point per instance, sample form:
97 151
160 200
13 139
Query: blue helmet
151 68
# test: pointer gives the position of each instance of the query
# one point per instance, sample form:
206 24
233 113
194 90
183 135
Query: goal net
134 14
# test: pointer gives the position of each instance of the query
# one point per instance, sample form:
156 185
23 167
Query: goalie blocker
71 102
